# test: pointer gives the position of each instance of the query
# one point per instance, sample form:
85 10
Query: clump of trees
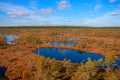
87 71
31 40
42 68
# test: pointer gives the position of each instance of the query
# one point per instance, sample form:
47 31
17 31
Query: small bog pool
10 38
73 55
74 39
2 73
62 43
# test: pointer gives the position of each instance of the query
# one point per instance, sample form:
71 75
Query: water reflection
10 38
62 43
74 39
74 55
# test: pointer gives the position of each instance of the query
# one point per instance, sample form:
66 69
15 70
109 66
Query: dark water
73 55
2 73
119 57
62 43
9 38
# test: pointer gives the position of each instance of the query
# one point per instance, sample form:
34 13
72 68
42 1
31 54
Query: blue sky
60 12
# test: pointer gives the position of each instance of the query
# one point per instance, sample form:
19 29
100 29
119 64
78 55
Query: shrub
2 41
85 71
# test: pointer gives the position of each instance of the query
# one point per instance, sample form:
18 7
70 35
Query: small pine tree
86 71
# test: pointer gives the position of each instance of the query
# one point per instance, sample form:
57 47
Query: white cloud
10 8
17 14
1 17
46 11
111 1
20 11
97 7
104 20
114 13
14 10
83 14
26 16
63 4
119 5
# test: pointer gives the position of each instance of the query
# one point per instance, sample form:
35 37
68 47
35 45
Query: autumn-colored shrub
86 71
2 41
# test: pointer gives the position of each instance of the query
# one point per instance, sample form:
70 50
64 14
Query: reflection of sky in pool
73 55
74 39
62 43
9 38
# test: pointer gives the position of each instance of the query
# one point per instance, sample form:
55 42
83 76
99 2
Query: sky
98 13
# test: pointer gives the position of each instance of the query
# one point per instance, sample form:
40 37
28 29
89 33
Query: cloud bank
63 4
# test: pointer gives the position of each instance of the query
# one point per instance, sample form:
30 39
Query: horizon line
44 26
